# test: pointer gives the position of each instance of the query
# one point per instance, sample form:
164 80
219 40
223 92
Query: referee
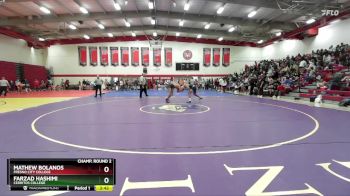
98 86
143 85
3 85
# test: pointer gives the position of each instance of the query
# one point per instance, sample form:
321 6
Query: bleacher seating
330 95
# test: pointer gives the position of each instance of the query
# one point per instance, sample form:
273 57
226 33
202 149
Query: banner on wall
93 55
82 55
168 57
135 53
114 56
157 57
125 56
226 57
145 56
216 57
206 57
104 55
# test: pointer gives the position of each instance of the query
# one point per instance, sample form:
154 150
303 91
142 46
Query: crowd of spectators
25 86
277 77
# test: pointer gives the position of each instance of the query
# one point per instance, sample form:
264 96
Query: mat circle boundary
125 151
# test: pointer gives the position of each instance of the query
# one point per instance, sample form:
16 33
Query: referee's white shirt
4 83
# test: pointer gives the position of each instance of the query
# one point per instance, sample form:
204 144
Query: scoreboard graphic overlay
83 174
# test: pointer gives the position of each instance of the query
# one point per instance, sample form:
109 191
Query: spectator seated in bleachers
335 82
66 84
49 85
345 102
345 83
36 85
19 86
42 85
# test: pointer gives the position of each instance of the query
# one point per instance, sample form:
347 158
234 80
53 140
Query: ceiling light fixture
150 5
117 6
153 21
220 10
199 36
133 34
220 39
83 10
251 14
86 37
126 2
187 6
181 23
110 35
154 34
177 34
100 26
72 27
207 26
45 10
278 34
260 41
127 23
231 29
310 21
41 39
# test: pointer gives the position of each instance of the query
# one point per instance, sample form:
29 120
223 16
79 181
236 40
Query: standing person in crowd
36 84
223 84
19 85
12 85
252 84
261 84
121 84
66 85
62 83
143 85
3 86
80 86
26 85
50 84
98 85
42 85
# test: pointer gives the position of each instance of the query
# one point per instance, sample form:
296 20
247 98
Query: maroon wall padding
32 72
8 69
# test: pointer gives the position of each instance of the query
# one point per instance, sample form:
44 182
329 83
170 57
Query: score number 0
106 170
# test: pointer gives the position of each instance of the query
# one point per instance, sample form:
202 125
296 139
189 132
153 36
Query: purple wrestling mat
216 146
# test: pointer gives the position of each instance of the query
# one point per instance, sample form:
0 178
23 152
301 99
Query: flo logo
330 12
175 109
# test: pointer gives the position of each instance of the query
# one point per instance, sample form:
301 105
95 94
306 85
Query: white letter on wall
262 183
157 184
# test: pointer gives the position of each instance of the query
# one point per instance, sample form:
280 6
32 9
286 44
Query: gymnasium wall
333 34
17 51
64 60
